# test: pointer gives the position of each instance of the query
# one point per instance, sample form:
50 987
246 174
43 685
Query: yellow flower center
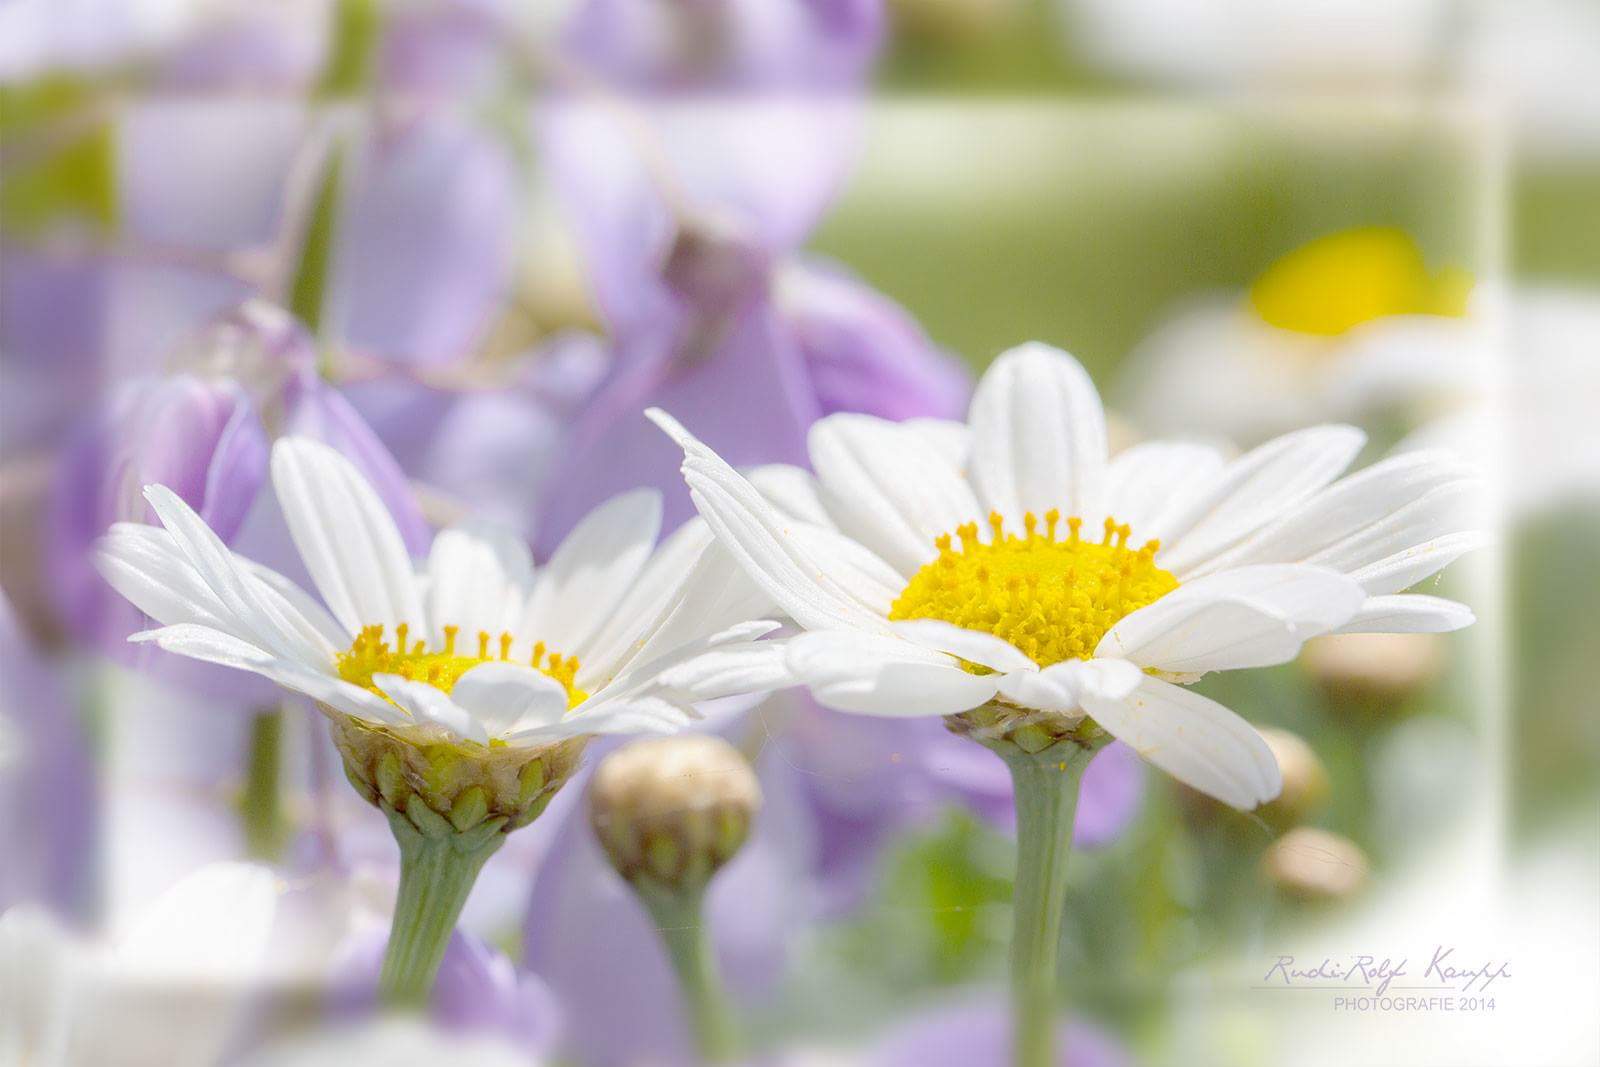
371 653
1052 599
1345 279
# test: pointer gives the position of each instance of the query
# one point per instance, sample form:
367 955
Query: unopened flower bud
673 811
1314 864
445 787
1374 669
1305 779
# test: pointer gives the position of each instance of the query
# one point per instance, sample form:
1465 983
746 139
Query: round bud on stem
1376 670
1314 864
670 812
1305 779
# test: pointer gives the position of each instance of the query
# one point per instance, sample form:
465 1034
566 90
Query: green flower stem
438 866
261 802
1046 789
678 915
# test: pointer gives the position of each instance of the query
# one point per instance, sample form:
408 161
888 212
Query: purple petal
864 352
47 782
427 242
980 1033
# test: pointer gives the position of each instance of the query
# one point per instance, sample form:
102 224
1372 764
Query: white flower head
476 646
1011 565
1350 324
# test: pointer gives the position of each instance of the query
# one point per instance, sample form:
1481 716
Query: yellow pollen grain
1052 599
1343 280
370 653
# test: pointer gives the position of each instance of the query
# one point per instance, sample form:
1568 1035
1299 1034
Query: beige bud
1314 864
1305 779
443 786
1374 669
672 811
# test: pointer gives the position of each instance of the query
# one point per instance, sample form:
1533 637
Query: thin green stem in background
1046 787
678 915
261 803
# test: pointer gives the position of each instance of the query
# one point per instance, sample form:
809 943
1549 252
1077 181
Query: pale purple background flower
48 789
978 1034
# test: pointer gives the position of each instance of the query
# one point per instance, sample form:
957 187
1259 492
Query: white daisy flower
475 650
1009 574
1351 324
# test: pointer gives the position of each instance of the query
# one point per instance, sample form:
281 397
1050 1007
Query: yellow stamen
370 654
1340 281
1052 599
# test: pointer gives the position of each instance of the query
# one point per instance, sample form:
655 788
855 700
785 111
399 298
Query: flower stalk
261 802
1046 786
438 866
678 914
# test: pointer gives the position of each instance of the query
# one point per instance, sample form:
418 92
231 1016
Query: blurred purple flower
868 781
724 44
205 433
979 1033
688 216
427 241
478 990
48 793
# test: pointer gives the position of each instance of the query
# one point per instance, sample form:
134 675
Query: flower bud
1305 779
1314 864
1374 669
673 811
444 787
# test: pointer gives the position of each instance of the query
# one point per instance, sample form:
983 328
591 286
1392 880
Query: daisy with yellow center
460 693
1045 597
1352 322
1009 565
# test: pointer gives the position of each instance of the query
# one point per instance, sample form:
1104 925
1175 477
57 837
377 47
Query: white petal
1408 613
258 613
884 487
791 490
731 670
1391 506
950 440
1038 435
299 601
346 537
1255 489
505 697
658 590
638 715
214 646
882 675
973 646
1149 485
762 541
431 706
1196 740
592 570
1410 565
1251 617
854 568
145 566
478 579
1035 689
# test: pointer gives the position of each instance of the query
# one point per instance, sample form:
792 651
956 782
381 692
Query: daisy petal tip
671 427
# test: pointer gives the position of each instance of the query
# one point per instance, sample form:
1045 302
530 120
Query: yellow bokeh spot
371 653
1340 281
1052 598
